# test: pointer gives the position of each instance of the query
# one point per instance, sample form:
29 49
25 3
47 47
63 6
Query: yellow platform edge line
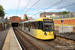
6 43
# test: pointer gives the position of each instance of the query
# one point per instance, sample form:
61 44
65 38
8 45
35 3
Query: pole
62 27
62 23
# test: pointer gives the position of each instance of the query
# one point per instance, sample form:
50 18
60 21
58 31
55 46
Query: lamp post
7 14
61 21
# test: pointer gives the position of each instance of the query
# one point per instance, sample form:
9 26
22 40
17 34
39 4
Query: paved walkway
3 35
11 42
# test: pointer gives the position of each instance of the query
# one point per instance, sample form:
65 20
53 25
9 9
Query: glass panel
38 25
48 27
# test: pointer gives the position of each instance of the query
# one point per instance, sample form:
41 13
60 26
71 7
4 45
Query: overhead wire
67 6
32 6
19 1
51 6
25 6
61 7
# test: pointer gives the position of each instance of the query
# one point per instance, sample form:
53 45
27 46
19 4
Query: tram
41 28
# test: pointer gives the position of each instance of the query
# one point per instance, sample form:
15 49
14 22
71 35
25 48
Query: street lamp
61 21
7 15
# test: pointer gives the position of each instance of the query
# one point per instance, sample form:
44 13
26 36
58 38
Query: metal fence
69 15
3 21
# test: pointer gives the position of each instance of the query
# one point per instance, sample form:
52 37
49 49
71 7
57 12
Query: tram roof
39 19
26 21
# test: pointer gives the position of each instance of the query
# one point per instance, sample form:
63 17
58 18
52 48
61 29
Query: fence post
69 15
65 15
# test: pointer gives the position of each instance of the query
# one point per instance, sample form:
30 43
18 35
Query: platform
11 42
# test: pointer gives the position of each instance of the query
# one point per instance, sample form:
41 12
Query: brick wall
72 22
15 19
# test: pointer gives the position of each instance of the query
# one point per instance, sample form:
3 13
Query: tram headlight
45 33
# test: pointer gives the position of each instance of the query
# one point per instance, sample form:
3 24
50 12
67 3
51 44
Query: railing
3 20
69 15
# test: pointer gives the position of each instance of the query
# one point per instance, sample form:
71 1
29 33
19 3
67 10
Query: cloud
69 5
39 7
12 4
34 16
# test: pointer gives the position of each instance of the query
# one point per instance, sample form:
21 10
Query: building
50 14
24 19
30 18
15 20
53 14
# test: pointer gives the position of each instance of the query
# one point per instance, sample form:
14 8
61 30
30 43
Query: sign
48 20
48 23
61 20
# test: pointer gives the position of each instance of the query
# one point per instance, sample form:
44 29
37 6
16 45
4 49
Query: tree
26 17
2 13
64 12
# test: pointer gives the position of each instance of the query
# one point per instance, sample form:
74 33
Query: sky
20 7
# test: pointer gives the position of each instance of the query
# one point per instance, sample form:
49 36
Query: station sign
48 20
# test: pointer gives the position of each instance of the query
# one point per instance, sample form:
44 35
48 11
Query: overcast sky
13 8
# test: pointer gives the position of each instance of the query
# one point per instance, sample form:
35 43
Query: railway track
57 44
25 43
61 43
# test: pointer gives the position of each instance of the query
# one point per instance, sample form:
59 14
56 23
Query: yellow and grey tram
41 28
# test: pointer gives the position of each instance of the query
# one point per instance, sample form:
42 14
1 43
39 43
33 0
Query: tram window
26 24
33 25
37 25
29 24
41 25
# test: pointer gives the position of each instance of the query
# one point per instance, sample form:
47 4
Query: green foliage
64 12
26 17
2 13
1 8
